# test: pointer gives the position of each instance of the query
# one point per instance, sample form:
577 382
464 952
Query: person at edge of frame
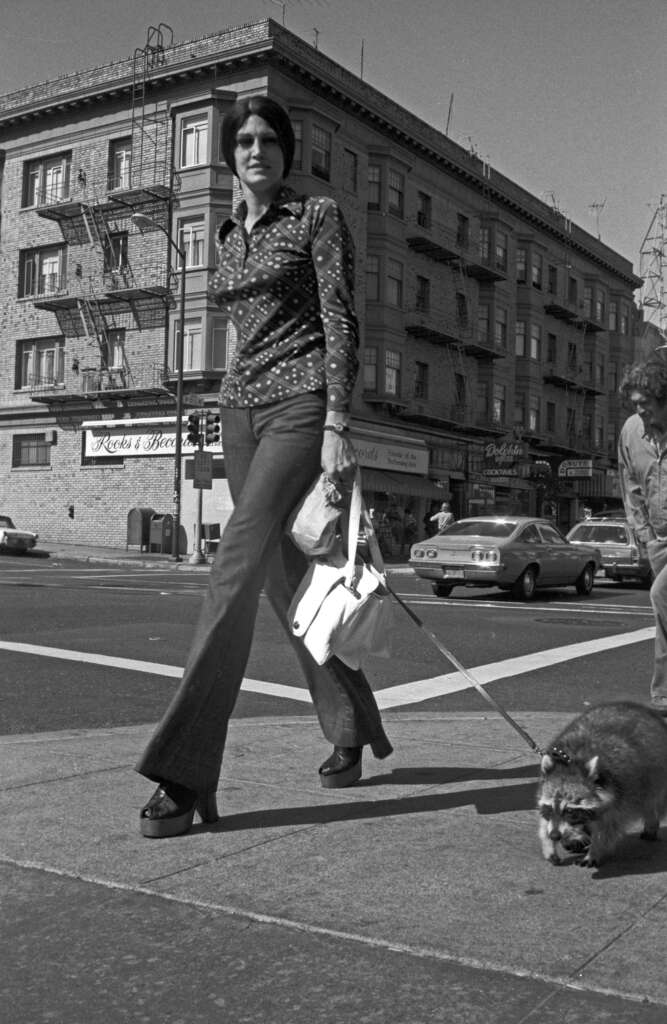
642 470
285 277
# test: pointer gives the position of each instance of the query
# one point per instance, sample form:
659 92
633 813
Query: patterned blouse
288 288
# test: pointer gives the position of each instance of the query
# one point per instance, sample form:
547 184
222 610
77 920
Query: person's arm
636 510
333 260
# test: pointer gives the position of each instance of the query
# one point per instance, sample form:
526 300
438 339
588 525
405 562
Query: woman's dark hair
650 377
272 112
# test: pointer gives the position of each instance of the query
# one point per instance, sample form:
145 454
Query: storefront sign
502 458
130 440
576 468
396 457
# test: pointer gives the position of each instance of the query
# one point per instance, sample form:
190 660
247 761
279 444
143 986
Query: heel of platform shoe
207 807
381 748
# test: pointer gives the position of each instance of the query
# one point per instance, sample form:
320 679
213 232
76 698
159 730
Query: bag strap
359 517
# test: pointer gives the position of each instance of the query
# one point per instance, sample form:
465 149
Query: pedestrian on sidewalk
285 278
443 517
642 465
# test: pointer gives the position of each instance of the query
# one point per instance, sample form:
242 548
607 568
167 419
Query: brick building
493 329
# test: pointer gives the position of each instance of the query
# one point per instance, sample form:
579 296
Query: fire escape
105 293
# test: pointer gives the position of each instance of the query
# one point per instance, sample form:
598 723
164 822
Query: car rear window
599 533
480 528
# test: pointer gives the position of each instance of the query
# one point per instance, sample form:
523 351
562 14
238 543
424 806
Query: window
483 323
501 251
191 241
624 321
46 180
551 348
462 230
42 271
194 141
533 413
373 187
421 380
220 332
394 283
320 160
120 163
192 346
392 372
599 372
423 210
572 291
535 341
115 251
113 354
370 369
40 363
500 329
30 450
297 160
551 417
498 408
536 270
373 278
613 316
613 378
521 266
520 337
572 363
395 192
461 309
588 300
484 243
599 433
423 298
519 410
552 278
350 171
571 421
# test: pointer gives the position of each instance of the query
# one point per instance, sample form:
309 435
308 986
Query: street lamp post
142 221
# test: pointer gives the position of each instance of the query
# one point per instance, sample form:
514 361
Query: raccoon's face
571 801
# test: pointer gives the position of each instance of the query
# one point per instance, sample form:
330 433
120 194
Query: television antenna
653 269
597 209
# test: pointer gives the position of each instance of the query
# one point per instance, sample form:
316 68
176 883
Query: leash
467 675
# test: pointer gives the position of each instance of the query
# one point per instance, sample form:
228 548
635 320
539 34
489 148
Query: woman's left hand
339 460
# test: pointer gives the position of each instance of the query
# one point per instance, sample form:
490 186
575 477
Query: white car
12 539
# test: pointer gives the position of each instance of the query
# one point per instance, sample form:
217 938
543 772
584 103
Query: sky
565 97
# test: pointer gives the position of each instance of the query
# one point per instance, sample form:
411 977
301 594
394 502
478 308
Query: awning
401 483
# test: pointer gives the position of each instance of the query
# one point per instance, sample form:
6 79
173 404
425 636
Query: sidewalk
418 895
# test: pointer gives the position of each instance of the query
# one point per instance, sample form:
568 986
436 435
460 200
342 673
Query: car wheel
442 589
524 588
586 579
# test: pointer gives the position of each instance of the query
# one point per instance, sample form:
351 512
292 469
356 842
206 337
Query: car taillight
634 553
490 556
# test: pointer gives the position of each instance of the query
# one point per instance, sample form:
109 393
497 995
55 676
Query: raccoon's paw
588 861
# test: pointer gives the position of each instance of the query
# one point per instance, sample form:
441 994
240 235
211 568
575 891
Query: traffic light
212 429
194 432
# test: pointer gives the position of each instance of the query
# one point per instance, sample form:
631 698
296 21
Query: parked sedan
622 557
516 553
12 539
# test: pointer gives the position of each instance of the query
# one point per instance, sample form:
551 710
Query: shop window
395 193
394 283
46 180
191 238
30 450
194 141
350 171
421 380
120 163
423 210
320 160
374 179
40 362
392 373
42 271
370 368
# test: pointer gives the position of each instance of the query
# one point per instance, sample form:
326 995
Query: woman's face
258 157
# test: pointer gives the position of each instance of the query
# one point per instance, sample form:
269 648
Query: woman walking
285 277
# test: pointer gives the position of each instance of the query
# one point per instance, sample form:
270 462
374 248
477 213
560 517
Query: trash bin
139 528
161 533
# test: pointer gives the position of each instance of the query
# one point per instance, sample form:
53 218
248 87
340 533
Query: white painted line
391 696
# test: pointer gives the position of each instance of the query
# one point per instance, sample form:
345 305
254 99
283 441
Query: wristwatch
337 428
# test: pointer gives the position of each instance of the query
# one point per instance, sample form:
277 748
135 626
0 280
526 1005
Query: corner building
493 329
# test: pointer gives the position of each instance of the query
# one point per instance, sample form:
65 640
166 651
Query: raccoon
605 772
